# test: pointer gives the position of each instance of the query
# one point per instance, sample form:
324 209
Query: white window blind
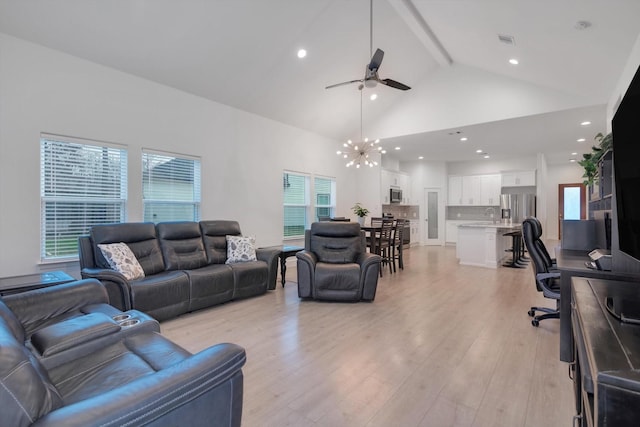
325 197
82 183
296 204
170 187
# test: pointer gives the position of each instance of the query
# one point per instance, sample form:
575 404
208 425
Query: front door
433 213
572 203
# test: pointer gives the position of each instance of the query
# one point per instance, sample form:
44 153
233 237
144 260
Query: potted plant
590 160
360 212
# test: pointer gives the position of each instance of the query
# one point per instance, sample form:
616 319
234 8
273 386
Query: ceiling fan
371 78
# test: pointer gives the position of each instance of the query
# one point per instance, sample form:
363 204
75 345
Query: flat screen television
626 166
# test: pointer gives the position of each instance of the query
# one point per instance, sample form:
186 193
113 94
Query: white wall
426 174
460 95
623 82
243 155
489 166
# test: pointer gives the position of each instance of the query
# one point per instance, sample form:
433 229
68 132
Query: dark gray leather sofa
184 266
334 264
67 358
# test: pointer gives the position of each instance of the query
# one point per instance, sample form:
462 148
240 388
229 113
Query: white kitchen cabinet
414 225
451 229
405 185
519 178
390 179
490 189
385 185
474 190
454 191
471 190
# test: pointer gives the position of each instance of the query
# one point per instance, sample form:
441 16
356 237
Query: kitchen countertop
482 224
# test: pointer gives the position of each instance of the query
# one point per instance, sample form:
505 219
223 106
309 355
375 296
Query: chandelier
359 153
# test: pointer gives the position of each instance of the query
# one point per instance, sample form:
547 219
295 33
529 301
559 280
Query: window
82 183
325 190
296 204
170 187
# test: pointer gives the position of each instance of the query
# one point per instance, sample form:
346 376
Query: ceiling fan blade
376 60
394 84
344 83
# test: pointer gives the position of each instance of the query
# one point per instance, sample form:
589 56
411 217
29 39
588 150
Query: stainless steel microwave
395 195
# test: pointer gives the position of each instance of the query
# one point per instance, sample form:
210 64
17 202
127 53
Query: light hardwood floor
441 345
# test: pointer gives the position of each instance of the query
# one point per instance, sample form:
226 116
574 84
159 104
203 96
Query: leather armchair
335 265
65 360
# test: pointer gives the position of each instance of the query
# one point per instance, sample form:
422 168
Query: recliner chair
335 265
546 276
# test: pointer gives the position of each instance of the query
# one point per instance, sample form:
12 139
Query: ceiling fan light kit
361 153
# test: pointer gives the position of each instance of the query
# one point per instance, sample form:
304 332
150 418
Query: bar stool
518 260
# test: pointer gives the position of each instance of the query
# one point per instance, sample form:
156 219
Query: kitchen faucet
491 213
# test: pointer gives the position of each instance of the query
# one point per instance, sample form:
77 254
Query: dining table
373 232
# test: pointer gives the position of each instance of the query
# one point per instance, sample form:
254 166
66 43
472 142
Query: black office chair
547 278
551 262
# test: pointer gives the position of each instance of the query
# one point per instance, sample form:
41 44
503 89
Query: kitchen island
482 244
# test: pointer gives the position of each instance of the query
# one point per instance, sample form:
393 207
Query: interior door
433 225
572 203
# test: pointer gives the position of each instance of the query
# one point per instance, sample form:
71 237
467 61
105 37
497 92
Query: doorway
433 217
572 203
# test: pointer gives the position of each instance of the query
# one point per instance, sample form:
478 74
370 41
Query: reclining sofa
67 358
184 266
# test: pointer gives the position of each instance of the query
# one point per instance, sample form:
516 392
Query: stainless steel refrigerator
515 208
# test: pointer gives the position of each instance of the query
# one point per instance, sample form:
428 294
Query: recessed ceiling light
373 97
383 152
486 156
581 140
302 53
479 151
572 160
420 157
397 148
585 123
464 138
574 154
513 61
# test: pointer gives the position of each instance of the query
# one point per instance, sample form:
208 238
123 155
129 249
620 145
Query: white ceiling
243 53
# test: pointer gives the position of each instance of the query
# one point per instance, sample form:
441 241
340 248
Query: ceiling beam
414 20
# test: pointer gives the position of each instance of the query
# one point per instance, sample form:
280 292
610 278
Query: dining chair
374 236
385 243
397 252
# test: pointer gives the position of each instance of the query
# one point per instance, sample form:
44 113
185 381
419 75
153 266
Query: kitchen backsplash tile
402 211
476 213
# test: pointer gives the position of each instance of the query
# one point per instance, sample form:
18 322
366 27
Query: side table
14 285
286 252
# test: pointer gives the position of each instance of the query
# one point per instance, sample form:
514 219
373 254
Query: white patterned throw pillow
240 249
122 260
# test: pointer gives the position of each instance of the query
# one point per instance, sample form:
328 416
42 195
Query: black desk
14 285
571 263
607 378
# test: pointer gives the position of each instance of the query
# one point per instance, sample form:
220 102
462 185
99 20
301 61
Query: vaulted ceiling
243 53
